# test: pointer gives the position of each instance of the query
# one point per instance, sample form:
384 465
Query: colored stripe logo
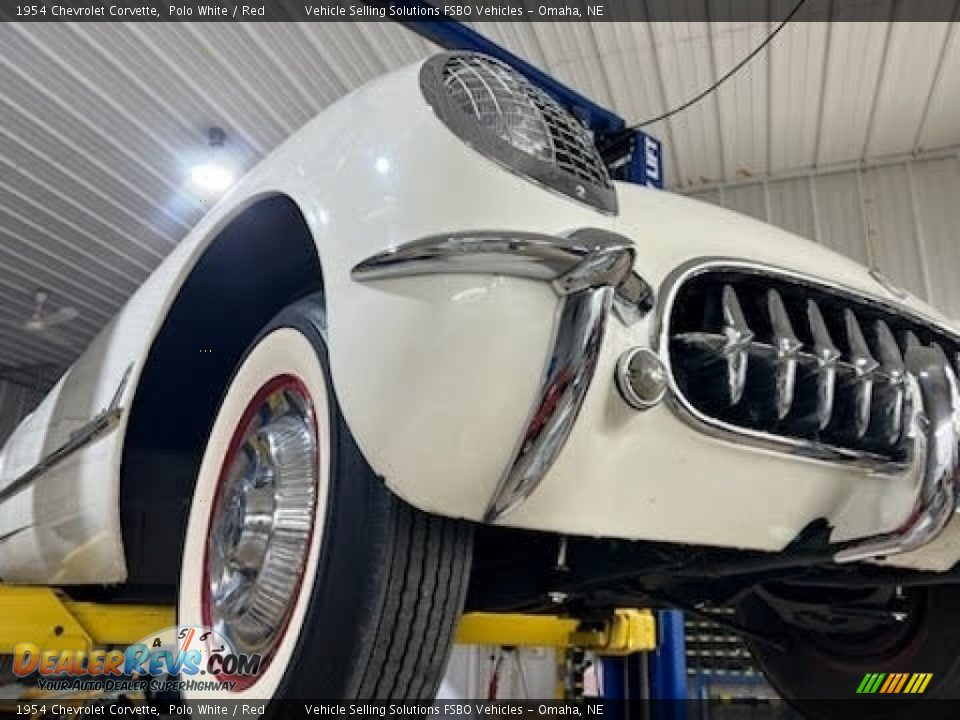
894 683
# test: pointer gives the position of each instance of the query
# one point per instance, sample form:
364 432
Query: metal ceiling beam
831 169
935 82
878 85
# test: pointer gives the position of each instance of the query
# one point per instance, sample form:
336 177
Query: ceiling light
211 177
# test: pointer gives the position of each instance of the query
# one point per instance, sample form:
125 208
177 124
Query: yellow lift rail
52 621
48 618
628 631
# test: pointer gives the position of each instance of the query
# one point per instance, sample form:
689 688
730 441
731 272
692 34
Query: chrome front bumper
591 272
935 424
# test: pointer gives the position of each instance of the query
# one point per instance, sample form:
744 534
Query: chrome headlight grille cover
784 361
498 112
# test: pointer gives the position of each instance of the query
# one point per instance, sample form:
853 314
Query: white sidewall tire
283 351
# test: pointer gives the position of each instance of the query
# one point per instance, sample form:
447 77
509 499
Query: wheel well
262 261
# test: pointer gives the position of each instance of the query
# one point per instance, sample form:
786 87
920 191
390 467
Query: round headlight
496 110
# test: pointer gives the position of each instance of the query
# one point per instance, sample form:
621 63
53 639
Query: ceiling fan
44 320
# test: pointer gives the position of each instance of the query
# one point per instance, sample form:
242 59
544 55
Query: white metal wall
16 401
902 218
527 674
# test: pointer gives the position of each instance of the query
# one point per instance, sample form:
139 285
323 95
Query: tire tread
425 589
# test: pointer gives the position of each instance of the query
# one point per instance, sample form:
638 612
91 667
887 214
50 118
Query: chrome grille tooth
940 351
826 354
889 401
950 369
708 346
864 366
909 340
738 338
887 348
786 345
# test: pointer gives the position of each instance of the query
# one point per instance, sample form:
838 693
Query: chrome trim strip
584 269
102 424
635 299
936 443
757 438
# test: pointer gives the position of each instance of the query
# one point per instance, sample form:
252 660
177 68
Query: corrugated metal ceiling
100 122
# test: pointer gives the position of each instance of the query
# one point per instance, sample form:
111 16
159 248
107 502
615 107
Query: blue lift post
637 158
625 686
668 668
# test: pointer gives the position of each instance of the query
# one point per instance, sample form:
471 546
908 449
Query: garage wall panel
892 227
902 218
840 215
16 402
791 206
714 197
936 190
747 199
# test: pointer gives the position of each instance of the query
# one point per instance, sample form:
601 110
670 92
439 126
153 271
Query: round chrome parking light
641 378
262 519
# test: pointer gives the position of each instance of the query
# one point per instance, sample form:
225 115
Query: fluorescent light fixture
211 177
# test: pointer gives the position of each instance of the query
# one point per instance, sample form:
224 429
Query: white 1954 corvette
427 356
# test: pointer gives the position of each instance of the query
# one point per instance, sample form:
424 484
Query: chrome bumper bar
935 425
587 270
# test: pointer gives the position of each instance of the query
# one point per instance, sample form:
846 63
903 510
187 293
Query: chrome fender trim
934 428
104 423
585 269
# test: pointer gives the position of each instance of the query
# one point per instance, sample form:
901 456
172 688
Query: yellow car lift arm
627 631
48 618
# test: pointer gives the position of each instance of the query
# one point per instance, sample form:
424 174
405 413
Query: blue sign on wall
650 150
643 163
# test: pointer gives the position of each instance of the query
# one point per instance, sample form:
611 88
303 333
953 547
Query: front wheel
296 552
874 652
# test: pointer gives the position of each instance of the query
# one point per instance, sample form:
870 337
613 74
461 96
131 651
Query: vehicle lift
49 619
642 652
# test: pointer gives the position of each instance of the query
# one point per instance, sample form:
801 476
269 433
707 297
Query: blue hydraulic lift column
668 668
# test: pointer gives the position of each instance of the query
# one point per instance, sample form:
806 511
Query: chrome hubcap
262 519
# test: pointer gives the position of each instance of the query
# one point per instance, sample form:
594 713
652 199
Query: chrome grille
506 104
789 360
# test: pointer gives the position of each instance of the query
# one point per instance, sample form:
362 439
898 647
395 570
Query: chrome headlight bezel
593 187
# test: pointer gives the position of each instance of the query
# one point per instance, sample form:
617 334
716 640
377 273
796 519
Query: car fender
426 370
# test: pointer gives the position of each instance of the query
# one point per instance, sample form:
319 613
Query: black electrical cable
620 134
